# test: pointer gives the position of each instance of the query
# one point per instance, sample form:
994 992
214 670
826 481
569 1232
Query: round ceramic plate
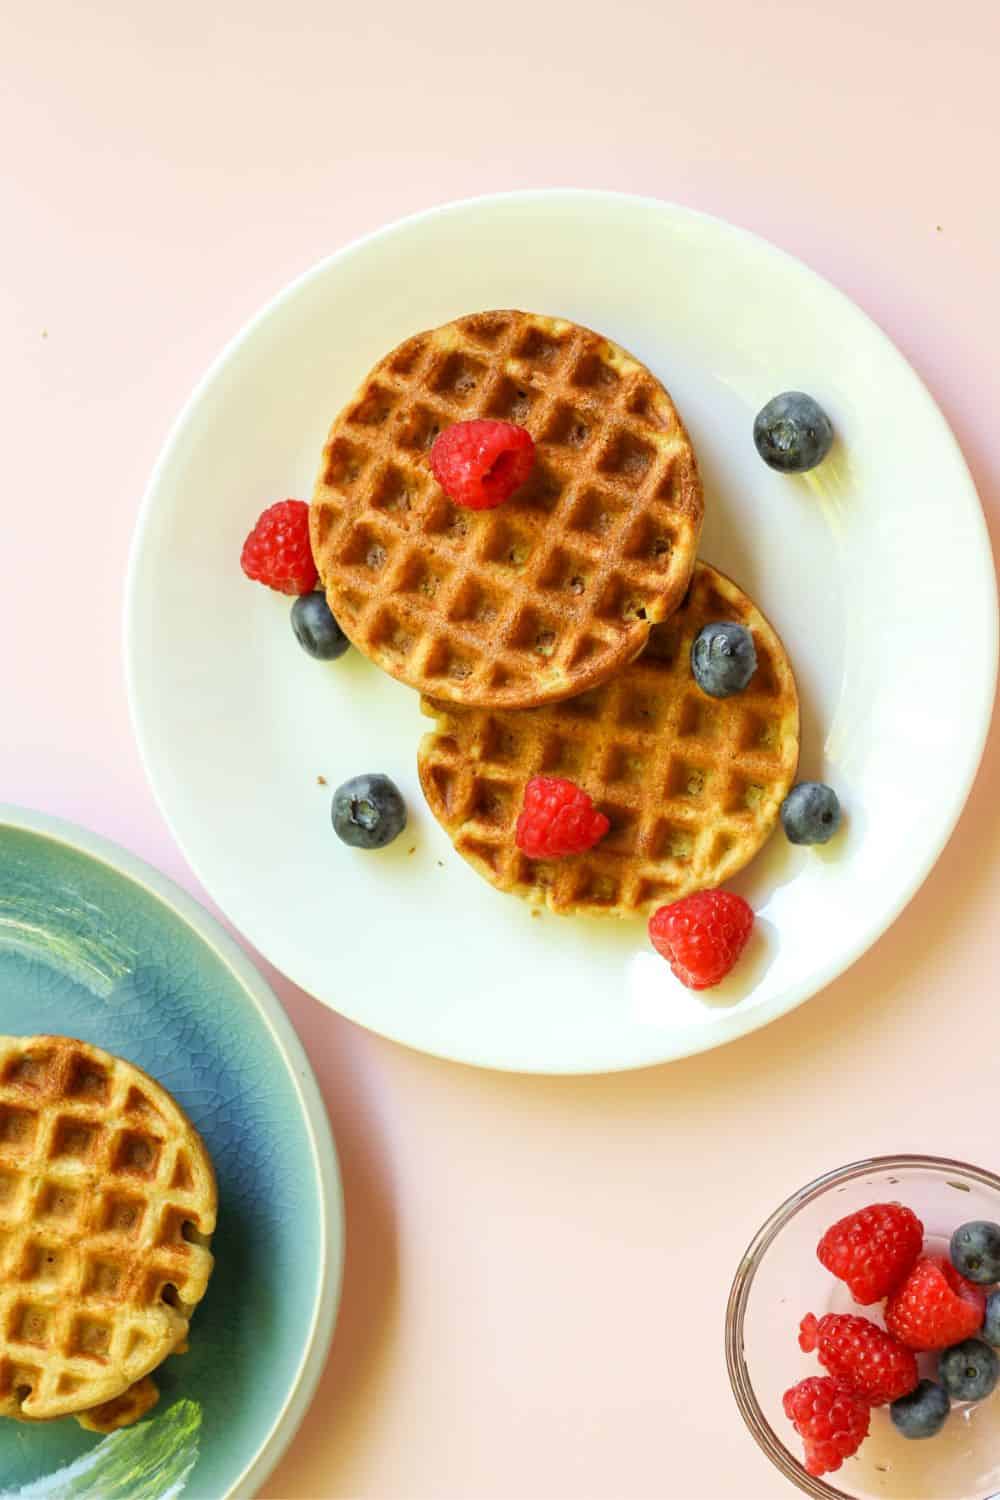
94 944
875 569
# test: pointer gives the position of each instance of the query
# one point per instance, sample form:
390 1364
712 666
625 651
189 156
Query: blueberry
975 1251
968 1370
368 812
792 433
723 658
315 628
810 814
921 1414
991 1323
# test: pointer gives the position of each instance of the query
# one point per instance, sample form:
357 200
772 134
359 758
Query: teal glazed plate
94 944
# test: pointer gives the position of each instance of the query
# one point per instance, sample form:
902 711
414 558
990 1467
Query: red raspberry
831 1421
558 818
702 936
278 552
872 1249
480 464
934 1306
858 1351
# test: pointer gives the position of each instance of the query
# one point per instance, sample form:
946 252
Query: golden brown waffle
107 1204
553 591
692 784
124 1410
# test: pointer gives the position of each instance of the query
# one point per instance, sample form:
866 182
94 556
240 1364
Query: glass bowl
780 1279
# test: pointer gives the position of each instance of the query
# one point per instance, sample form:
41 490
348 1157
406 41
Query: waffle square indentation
58 1201
510 402
628 458
540 348
458 376
136 1154
89 1081
74 1138
569 427
102 1278
122 1214
344 463
30 1323
18 1128
374 409
90 1338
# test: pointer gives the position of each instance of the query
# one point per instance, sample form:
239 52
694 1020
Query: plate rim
744 1022
322 1145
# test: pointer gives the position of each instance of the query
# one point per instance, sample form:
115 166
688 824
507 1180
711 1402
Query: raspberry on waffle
556 589
107 1205
692 785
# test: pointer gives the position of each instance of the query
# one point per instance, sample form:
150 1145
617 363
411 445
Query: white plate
875 570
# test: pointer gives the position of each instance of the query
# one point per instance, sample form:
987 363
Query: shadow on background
367 1316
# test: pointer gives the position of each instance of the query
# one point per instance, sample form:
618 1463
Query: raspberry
875 1366
558 818
702 936
934 1306
872 1249
278 552
831 1421
480 464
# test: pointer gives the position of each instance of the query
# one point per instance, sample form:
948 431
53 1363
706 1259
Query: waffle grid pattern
107 1204
692 785
553 591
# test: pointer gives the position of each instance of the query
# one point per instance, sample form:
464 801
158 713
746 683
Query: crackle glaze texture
86 951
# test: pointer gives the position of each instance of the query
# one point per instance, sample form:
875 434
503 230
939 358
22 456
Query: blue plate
97 945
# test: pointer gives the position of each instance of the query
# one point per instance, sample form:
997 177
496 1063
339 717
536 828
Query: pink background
537 1269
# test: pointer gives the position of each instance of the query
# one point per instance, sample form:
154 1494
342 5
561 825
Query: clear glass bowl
779 1280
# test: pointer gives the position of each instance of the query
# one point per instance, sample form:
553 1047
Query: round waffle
692 785
107 1204
551 592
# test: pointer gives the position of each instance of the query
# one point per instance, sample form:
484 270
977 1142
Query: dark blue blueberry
368 812
921 1414
792 433
975 1251
810 814
723 658
991 1323
968 1370
315 628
